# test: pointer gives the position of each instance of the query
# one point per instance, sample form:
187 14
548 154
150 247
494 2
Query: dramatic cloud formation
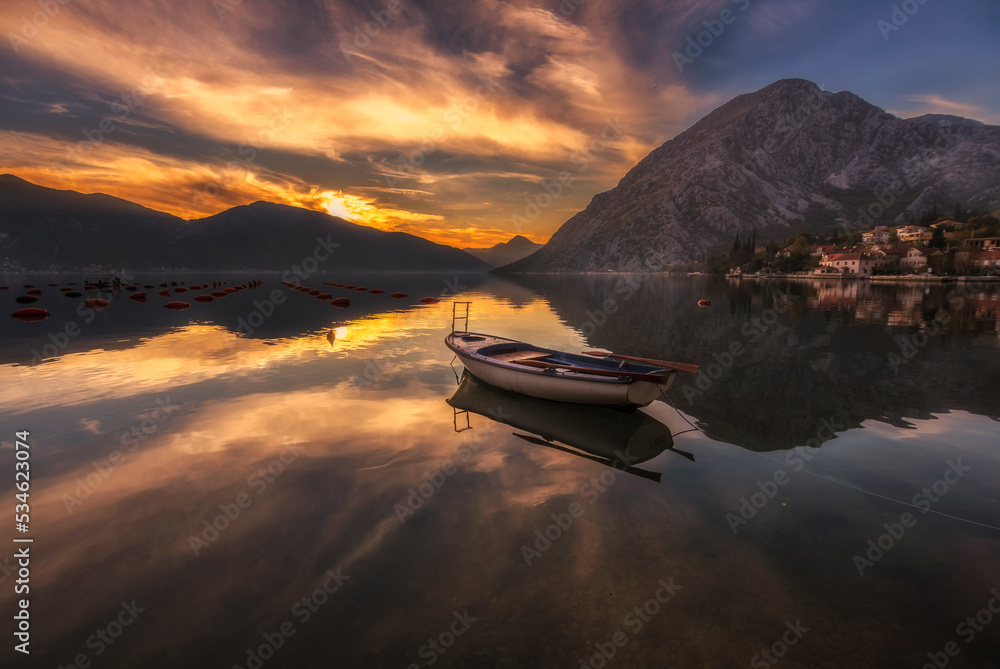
464 122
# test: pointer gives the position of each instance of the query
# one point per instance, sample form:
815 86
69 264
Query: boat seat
516 356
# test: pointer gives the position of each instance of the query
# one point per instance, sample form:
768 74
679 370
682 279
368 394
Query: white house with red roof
860 264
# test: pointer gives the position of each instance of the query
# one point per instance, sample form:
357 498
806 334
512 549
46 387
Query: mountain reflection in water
334 424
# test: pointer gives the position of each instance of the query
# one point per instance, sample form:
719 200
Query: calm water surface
214 470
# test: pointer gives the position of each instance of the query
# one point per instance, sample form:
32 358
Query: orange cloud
401 105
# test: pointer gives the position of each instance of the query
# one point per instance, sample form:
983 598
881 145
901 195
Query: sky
463 121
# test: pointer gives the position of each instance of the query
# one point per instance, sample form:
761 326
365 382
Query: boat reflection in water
611 437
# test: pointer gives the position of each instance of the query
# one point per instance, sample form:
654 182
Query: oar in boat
679 366
652 476
658 379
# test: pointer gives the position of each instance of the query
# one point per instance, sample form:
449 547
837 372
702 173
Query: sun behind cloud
336 206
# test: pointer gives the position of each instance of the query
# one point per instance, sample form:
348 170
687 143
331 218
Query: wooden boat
554 375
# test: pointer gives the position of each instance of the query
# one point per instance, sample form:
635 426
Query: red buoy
31 314
180 289
203 298
429 300
341 302
177 306
349 287
314 291
361 288
138 297
164 293
34 291
704 303
398 295
97 303
375 291
219 293
324 296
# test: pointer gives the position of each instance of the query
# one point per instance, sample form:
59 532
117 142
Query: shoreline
875 279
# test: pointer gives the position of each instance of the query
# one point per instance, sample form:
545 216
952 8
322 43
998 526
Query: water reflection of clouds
243 399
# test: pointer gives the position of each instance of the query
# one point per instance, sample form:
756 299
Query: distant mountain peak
504 253
787 154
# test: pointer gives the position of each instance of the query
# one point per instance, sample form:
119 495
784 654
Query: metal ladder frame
455 317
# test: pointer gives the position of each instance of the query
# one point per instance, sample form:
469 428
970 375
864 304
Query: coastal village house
966 260
820 251
914 233
890 253
879 235
918 258
861 264
981 244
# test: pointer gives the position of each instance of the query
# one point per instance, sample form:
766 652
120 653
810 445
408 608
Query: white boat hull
601 392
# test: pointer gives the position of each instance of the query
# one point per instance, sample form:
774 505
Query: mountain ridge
504 253
789 155
44 228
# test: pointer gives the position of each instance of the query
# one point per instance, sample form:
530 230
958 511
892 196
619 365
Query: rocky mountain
42 228
507 252
788 157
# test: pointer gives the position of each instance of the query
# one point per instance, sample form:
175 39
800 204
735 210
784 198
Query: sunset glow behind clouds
446 122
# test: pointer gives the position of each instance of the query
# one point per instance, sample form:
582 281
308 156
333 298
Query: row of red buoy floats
339 302
377 291
220 289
